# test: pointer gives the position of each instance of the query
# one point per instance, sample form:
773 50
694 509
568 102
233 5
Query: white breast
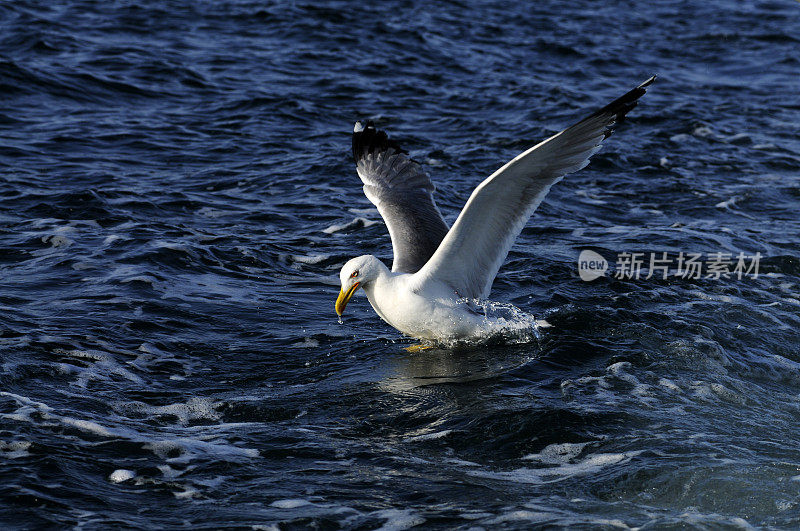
433 314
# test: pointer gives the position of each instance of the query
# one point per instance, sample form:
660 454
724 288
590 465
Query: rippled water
178 196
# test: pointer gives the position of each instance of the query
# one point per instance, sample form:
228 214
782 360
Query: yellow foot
418 347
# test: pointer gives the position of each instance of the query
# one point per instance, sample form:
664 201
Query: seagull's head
357 273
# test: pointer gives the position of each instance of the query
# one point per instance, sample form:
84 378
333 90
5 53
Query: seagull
438 275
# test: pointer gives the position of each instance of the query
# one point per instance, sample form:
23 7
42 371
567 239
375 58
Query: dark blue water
178 196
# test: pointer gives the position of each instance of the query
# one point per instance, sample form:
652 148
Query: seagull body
426 310
438 274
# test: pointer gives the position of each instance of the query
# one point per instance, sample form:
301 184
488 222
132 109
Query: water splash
503 323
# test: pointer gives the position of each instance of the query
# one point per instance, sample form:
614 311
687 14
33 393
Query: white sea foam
669 384
398 519
429 436
558 453
170 447
364 211
694 519
213 213
590 197
173 246
729 203
309 259
87 426
14 449
591 464
57 241
292 503
716 392
460 462
103 367
144 279
522 515
120 475
195 408
470 515
185 449
702 131
307 342
187 493
357 223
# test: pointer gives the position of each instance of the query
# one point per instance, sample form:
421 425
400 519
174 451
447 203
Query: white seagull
438 274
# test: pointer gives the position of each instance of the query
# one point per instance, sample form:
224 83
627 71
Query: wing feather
476 246
403 193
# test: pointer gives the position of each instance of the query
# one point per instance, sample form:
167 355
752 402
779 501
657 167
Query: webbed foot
419 347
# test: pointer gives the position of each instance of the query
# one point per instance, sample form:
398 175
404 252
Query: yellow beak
344 298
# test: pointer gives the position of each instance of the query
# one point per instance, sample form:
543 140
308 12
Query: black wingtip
367 139
649 81
621 106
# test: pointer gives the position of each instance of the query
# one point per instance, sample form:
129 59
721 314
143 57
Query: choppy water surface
178 196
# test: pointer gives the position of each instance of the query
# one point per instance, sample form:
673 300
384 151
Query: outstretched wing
403 194
476 246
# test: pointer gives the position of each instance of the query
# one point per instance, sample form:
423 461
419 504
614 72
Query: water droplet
340 320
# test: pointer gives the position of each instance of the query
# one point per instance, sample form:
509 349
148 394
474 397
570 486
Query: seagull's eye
355 274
